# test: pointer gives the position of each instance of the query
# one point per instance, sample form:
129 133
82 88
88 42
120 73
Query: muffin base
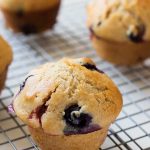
90 141
122 53
31 22
3 76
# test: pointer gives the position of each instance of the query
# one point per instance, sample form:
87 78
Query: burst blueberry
38 112
75 118
24 83
92 67
137 37
78 122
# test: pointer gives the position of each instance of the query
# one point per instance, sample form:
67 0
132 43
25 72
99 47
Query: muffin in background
30 16
68 105
120 30
5 60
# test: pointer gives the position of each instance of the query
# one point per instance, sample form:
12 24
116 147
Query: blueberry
78 122
38 112
93 34
28 29
92 67
11 108
73 131
75 118
99 23
20 13
24 83
138 36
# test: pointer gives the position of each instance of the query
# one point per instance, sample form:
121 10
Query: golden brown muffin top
5 54
27 5
120 20
71 96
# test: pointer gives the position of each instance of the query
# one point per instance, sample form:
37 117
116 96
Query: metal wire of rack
70 38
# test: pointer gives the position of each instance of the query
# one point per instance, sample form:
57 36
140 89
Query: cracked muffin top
5 54
27 5
71 96
128 20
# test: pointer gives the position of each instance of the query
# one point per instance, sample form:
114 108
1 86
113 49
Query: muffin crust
52 88
27 5
119 18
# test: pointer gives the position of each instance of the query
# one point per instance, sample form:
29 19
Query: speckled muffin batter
120 29
68 105
30 16
5 60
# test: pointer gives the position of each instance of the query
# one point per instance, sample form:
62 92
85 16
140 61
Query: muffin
68 105
5 60
120 30
30 16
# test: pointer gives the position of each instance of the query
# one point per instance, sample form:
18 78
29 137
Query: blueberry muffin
120 29
5 60
30 16
68 105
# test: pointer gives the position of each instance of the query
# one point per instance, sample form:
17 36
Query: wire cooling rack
131 131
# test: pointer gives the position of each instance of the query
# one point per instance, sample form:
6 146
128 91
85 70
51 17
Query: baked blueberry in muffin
24 82
136 33
120 30
92 67
68 105
78 122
